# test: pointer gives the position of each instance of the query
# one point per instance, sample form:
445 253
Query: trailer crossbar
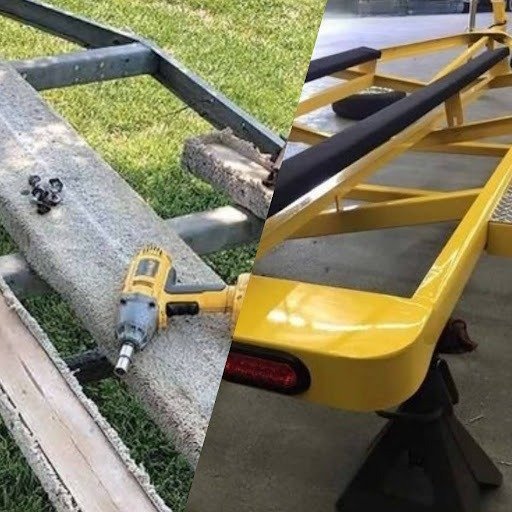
88 66
133 56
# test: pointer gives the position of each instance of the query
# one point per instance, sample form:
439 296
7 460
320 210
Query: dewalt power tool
151 294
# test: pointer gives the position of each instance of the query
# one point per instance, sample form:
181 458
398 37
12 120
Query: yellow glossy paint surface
334 93
368 351
452 268
283 224
411 211
351 341
499 239
438 44
147 275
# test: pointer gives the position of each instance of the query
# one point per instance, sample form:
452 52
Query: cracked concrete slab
82 249
233 166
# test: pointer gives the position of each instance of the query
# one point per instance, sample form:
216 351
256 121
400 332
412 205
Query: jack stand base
428 441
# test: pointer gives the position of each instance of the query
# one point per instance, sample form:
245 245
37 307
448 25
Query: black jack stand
428 441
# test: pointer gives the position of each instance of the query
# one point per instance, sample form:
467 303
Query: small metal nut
54 199
45 193
43 208
56 185
37 192
33 180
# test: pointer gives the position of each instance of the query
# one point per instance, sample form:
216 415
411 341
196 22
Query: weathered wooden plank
57 428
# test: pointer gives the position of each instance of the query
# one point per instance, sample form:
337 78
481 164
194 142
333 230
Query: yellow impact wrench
151 294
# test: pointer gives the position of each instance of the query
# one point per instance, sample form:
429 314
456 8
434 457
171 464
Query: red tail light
266 369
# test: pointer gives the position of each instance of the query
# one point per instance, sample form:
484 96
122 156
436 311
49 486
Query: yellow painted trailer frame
368 351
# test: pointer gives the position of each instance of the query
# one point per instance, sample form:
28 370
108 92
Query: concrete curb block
82 249
231 165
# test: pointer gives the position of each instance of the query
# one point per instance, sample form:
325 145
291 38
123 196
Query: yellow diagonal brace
377 193
302 133
467 148
469 132
440 207
397 83
462 58
436 45
334 93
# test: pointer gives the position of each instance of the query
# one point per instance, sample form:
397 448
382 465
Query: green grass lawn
256 52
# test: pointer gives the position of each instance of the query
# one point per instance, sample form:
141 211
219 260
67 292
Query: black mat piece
325 66
301 173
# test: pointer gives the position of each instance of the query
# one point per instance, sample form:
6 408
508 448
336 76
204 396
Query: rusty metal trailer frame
112 54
